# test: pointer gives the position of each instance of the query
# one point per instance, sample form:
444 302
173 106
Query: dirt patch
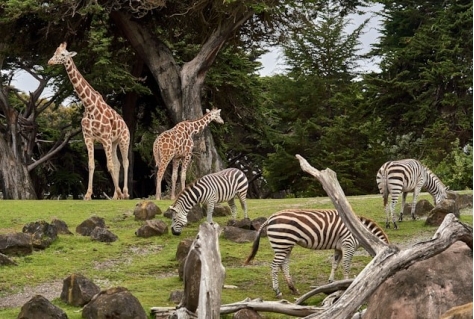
50 291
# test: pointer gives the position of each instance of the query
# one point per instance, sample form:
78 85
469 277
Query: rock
258 222
422 208
239 235
103 235
181 253
437 214
176 296
39 307
5 261
87 226
146 210
464 201
247 314
61 227
78 290
152 228
426 289
459 312
220 210
245 223
16 244
42 233
114 303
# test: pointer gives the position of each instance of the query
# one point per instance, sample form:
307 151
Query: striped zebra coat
408 175
317 229
210 189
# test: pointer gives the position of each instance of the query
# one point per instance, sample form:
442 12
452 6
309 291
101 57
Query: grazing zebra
210 189
405 176
316 229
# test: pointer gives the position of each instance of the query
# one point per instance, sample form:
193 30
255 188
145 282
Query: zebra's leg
416 192
285 267
335 263
210 210
243 203
347 253
393 203
233 208
404 200
275 266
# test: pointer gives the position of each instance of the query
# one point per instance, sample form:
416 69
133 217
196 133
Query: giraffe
177 144
100 123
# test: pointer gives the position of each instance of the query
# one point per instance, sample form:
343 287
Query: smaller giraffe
100 123
177 144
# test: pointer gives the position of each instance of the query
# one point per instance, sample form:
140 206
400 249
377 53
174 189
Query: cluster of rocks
78 291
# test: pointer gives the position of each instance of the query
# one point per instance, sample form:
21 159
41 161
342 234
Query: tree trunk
15 181
181 88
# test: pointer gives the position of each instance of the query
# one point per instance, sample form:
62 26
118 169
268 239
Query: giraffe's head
61 56
215 115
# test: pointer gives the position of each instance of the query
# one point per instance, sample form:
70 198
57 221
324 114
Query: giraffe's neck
84 90
198 125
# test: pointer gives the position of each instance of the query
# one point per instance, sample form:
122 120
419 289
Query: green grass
148 267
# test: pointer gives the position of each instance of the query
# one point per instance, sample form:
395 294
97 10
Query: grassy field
148 267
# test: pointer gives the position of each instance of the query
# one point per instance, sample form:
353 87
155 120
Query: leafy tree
423 94
318 108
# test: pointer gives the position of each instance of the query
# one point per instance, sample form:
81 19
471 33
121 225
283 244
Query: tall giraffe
177 144
100 123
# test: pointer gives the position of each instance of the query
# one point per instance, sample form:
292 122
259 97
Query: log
388 259
203 276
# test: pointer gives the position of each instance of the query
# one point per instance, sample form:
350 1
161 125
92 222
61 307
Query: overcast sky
272 62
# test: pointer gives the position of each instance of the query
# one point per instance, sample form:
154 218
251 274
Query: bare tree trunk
15 181
203 276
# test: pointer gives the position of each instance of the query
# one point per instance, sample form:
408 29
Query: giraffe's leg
184 169
174 177
90 153
116 172
233 208
108 148
335 263
124 145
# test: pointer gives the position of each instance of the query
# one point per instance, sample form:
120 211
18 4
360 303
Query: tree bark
181 88
15 181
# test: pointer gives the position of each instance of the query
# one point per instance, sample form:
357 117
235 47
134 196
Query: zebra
403 176
316 229
210 189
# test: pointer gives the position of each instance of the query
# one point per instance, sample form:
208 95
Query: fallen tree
387 260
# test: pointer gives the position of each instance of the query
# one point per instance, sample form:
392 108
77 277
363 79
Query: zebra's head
441 195
178 221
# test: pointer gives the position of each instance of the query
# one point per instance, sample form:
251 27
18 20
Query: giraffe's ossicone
100 123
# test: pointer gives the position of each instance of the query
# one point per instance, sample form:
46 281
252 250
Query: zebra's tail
256 244
384 188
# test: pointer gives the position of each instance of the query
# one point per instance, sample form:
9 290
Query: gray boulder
39 307
103 235
86 227
427 289
61 227
115 302
146 210
239 235
152 228
5 261
78 290
16 244
437 214
42 233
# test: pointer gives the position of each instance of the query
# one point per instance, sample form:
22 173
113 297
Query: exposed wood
203 276
326 289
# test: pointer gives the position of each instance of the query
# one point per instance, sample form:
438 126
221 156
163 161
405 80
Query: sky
272 62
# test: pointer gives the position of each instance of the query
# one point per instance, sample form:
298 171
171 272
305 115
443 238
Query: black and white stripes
314 229
210 189
405 176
